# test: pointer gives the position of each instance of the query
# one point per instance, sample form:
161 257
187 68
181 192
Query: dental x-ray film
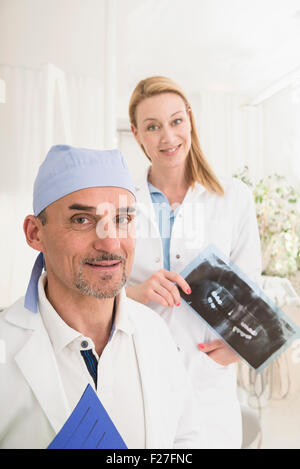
237 309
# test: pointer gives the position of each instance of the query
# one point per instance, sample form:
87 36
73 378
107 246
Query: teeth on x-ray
242 316
242 334
249 329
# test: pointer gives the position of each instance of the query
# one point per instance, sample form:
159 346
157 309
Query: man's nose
109 244
106 237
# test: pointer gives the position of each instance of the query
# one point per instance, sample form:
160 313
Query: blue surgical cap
65 170
68 169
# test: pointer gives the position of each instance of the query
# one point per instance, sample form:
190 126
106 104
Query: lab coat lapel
147 229
141 187
37 362
145 209
154 438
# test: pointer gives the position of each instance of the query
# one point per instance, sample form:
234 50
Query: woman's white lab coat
228 222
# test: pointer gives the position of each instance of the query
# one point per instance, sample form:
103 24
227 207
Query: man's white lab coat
228 222
33 404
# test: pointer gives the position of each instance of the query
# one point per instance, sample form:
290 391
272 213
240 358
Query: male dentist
76 327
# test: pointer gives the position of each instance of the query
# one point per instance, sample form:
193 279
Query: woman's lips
171 151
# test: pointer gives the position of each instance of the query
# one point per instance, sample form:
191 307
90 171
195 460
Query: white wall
281 131
63 32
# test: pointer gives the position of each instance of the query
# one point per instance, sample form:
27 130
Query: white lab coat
229 222
33 404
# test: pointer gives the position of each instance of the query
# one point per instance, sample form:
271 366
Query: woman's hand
218 351
159 288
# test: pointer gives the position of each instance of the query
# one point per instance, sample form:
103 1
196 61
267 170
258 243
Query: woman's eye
152 127
177 121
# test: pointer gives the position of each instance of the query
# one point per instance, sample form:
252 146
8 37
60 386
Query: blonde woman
183 207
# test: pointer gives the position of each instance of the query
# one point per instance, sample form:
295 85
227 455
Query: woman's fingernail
189 291
178 304
201 346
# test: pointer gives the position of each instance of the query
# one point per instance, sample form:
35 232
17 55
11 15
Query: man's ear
32 228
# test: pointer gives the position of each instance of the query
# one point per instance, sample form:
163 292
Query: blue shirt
165 219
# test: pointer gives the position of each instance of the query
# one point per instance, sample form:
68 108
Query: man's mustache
106 256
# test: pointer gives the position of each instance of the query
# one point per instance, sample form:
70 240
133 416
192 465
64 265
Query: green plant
278 216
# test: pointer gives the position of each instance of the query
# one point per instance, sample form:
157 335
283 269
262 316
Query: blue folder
88 427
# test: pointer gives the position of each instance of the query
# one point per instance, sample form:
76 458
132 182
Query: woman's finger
164 291
208 347
172 289
158 299
178 279
223 356
218 351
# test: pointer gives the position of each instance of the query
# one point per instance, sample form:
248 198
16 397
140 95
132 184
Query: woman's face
164 130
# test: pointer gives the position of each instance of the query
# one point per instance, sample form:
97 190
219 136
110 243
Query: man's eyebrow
155 119
126 209
86 208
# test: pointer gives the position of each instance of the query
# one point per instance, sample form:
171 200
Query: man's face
88 241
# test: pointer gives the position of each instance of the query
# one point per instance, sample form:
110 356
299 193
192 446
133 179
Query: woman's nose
167 134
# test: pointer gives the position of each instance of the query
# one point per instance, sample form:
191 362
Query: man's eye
81 220
123 219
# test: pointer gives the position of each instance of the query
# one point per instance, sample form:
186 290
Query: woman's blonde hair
197 168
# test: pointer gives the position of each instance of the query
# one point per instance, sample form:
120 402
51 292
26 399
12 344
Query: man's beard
100 291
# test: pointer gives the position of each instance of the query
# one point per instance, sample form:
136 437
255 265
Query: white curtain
281 132
228 132
25 133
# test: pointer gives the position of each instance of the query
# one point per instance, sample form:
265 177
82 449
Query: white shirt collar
142 184
61 334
